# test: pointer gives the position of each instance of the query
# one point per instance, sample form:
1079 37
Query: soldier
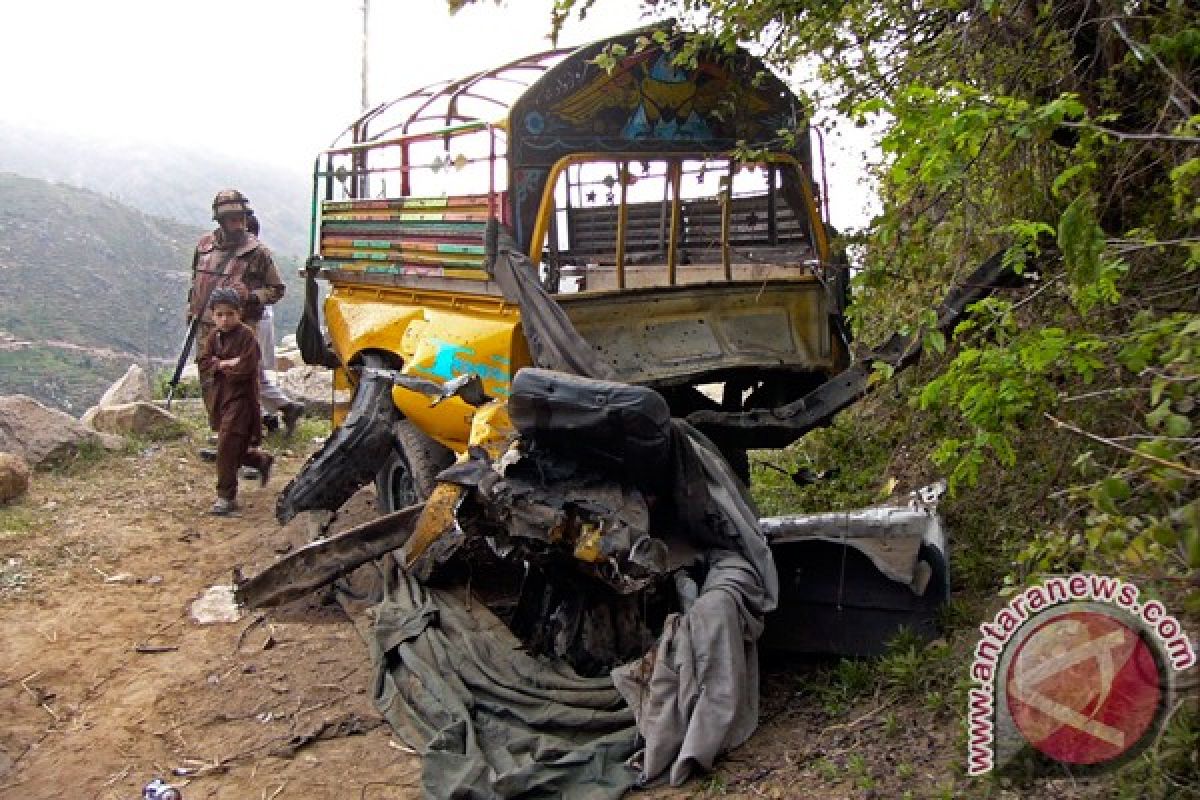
230 257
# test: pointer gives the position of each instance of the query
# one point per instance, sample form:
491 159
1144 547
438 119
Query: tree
1068 133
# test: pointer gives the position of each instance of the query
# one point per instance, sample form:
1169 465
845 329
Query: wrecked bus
682 233
673 214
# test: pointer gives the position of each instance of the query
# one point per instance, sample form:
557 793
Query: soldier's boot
292 413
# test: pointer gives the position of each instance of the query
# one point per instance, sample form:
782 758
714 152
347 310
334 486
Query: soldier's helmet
230 201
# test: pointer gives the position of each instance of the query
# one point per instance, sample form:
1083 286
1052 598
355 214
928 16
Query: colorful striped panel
406 269
407 216
402 230
342 242
408 202
433 236
469 261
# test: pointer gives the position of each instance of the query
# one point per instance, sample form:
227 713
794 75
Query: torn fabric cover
489 717
489 720
553 341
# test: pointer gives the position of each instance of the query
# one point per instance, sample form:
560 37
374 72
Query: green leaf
1177 425
1116 489
1156 389
1191 603
1163 533
1082 242
936 340
1069 174
1191 547
1156 418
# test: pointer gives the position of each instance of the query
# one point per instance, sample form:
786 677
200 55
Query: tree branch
1162 462
1154 137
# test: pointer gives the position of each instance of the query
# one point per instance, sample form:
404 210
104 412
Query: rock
132 387
287 360
312 386
215 604
39 434
288 342
14 477
143 419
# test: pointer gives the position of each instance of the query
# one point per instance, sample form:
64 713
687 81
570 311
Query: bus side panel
447 345
438 338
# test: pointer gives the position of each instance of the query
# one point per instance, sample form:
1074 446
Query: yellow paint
342 388
587 546
435 335
436 520
492 429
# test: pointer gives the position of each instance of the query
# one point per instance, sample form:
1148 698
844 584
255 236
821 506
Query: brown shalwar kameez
234 413
245 265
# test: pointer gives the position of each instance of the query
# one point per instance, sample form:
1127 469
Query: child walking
232 359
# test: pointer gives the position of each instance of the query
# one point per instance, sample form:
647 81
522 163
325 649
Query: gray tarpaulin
553 341
491 721
695 695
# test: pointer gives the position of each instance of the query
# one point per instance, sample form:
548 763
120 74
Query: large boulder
132 387
312 386
14 477
39 434
143 419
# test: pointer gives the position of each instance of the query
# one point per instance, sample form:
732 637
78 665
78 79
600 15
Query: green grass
160 385
16 521
713 785
827 770
1171 766
309 428
857 465
86 457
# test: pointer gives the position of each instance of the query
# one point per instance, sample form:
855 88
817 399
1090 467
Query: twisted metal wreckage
575 609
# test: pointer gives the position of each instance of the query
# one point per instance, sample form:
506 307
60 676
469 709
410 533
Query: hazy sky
274 80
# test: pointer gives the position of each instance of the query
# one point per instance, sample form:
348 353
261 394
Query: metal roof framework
482 97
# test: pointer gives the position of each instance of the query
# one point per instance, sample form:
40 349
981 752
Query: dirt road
105 682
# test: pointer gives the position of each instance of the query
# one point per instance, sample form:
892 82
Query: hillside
87 286
164 180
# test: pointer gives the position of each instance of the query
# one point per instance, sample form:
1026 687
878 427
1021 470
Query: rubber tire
410 472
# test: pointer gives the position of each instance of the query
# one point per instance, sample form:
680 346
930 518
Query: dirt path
105 559
110 562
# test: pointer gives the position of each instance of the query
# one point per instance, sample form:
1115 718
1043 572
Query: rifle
194 325
181 362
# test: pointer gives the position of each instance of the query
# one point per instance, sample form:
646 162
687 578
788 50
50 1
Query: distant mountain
166 181
89 285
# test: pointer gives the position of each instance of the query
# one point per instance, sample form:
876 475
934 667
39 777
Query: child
232 359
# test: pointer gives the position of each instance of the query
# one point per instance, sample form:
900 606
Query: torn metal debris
589 552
